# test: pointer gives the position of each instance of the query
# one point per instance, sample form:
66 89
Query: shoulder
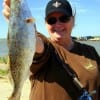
83 45
86 47
86 50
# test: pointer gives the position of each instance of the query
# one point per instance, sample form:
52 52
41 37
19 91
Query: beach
6 89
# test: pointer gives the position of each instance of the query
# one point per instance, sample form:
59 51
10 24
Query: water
4 48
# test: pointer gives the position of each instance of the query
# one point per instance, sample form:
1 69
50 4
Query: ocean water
4 47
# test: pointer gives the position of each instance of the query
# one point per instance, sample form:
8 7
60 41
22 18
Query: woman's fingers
6 8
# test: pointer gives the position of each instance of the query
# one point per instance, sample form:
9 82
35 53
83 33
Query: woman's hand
6 9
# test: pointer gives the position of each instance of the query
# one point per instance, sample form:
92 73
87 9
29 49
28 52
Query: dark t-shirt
50 80
85 50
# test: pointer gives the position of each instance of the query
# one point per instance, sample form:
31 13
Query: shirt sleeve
40 59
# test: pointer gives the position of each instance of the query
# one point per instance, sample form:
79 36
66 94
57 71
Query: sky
87 19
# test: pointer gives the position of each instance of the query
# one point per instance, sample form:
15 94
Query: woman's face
59 30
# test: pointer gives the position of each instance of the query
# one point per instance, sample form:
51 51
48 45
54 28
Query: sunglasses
62 19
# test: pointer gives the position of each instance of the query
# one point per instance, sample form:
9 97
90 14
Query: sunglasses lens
64 19
51 20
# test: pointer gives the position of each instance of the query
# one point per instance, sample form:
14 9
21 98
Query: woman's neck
68 44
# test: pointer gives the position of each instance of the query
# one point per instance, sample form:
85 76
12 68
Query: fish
21 45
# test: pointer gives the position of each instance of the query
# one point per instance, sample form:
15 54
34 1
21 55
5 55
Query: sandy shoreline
6 89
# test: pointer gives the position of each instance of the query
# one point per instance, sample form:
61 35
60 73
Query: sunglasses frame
53 20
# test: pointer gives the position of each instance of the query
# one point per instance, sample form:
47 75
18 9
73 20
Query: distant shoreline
4 47
88 40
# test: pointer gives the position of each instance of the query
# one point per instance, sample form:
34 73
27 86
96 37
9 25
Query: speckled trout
21 44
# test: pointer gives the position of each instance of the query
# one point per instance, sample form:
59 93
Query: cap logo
56 4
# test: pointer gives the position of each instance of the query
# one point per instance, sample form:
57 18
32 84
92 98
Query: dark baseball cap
62 6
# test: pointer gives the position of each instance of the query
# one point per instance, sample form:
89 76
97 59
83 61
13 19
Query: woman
49 79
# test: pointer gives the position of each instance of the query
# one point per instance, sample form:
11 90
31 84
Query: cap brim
58 10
